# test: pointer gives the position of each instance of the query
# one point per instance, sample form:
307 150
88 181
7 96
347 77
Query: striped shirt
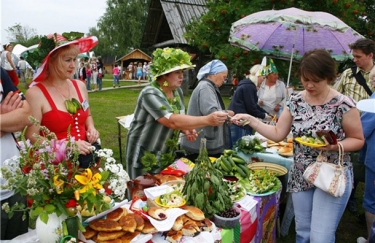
146 133
348 85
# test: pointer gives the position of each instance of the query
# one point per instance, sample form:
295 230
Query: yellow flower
89 181
59 184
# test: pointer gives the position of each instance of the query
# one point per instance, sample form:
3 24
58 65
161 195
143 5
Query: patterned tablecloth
257 222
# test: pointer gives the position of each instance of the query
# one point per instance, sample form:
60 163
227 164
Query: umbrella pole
290 67
291 62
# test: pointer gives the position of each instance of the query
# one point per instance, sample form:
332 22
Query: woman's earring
165 83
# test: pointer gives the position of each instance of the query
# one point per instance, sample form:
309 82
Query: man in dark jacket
245 100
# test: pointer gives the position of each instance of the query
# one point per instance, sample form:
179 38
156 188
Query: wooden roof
136 55
167 19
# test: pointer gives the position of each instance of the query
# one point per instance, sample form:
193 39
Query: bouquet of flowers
48 174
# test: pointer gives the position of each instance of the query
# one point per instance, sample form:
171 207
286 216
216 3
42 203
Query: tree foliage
120 28
210 33
23 35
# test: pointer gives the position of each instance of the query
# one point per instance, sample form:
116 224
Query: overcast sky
50 16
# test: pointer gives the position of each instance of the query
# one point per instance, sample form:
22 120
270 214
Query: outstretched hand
217 118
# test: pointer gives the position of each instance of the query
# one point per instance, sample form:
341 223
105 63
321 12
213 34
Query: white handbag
328 177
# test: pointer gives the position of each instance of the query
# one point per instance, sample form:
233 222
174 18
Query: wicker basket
279 169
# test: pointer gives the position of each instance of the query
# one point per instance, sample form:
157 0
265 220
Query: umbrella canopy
83 55
281 32
291 32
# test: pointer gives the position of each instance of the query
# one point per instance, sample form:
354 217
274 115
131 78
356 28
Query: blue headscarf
213 67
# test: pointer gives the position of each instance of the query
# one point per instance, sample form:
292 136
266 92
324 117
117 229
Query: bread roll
149 228
104 236
116 214
128 237
140 222
174 236
190 228
157 213
105 225
178 223
194 213
89 233
128 223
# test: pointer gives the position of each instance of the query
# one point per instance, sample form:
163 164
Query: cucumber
231 161
238 160
241 172
226 162
224 167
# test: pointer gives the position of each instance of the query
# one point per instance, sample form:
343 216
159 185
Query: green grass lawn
106 105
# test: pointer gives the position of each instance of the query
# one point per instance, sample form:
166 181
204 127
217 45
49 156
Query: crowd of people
159 115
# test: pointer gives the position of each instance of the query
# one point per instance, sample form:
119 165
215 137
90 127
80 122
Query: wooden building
166 22
134 56
165 27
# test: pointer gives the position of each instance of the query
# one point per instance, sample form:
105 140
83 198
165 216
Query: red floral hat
46 46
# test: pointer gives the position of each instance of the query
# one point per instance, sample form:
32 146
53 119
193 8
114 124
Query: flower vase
52 231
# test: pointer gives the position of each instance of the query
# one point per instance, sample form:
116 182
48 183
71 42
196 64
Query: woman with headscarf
206 99
159 115
272 91
245 100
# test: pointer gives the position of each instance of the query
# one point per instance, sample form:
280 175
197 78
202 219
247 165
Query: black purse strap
361 80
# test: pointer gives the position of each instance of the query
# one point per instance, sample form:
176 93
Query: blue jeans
88 87
99 82
116 80
237 132
317 213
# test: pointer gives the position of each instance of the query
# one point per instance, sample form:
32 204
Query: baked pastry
178 223
128 223
174 236
289 140
116 214
110 241
190 228
105 225
140 222
207 225
194 213
157 213
128 237
285 150
149 228
104 236
165 178
89 233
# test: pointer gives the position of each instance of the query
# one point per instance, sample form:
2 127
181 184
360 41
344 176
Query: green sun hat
168 60
267 69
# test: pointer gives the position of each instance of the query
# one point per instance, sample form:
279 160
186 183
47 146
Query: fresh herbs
204 186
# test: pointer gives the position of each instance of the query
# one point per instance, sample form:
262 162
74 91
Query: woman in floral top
317 107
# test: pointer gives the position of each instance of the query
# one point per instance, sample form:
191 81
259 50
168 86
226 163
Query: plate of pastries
283 148
122 225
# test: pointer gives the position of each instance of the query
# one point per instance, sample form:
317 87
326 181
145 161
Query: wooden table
119 135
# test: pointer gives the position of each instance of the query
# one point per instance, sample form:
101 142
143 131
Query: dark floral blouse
310 119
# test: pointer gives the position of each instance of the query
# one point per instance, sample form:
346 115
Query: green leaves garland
46 45
168 58
149 159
